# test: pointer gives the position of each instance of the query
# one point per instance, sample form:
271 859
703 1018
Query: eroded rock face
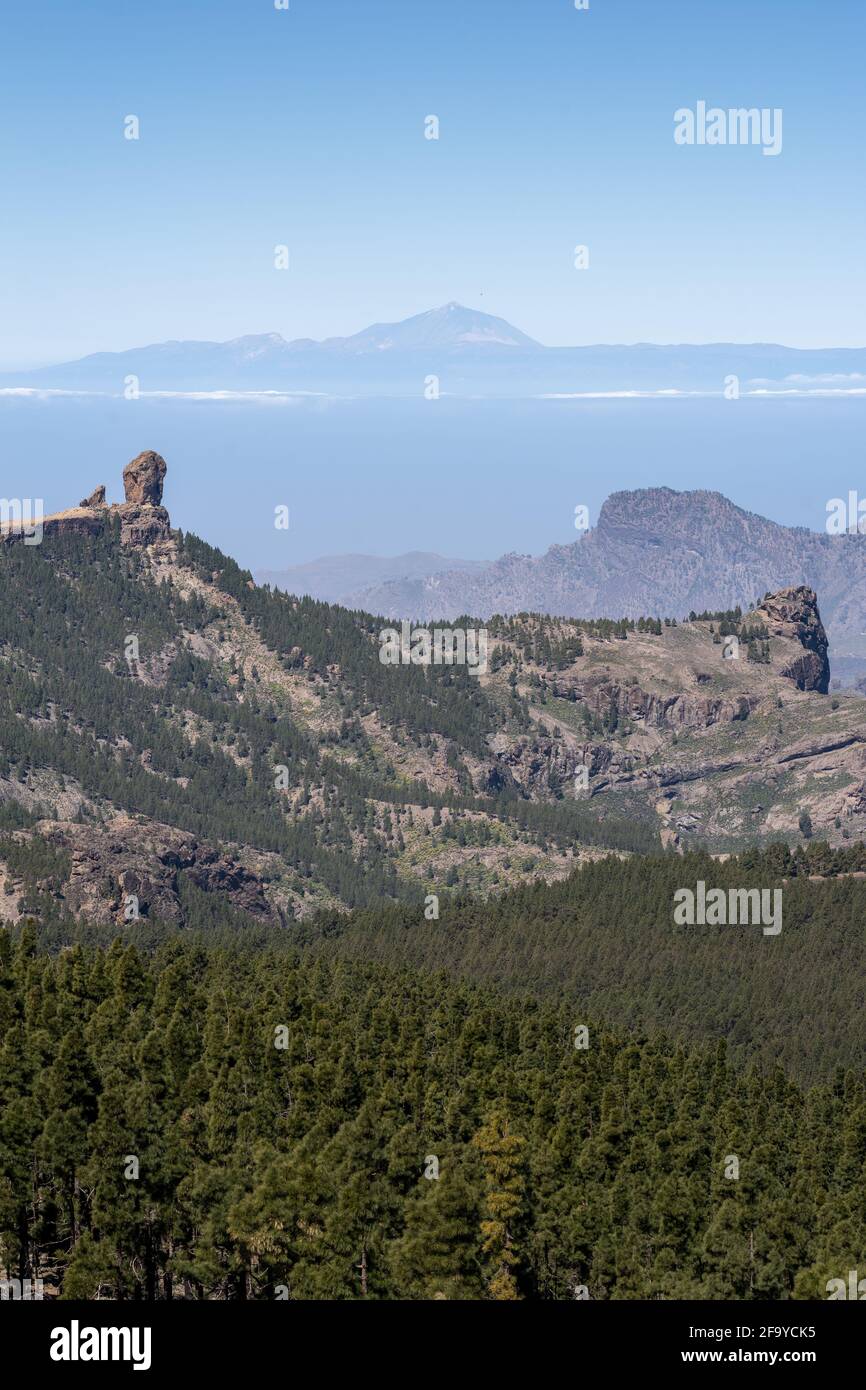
541 765
793 613
681 711
75 522
143 477
143 525
132 858
632 723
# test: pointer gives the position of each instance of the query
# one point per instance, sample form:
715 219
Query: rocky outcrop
604 697
96 498
77 521
545 766
661 693
143 478
143 520
793 614
815 748
133 859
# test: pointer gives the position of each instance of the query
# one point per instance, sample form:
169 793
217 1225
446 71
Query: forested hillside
605 940
210 1122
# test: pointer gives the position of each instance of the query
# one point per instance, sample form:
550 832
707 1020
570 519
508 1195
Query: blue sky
261 127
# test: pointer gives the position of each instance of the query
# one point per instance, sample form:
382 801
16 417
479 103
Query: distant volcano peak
451 325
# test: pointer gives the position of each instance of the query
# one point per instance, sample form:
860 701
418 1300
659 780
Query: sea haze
458 477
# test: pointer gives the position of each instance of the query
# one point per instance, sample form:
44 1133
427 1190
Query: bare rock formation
144 859
793 614
143 525
77 521
96 498
143 477
143 520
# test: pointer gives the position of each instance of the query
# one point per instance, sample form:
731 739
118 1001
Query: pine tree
501 1151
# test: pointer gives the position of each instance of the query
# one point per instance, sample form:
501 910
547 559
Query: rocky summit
96 498
142 520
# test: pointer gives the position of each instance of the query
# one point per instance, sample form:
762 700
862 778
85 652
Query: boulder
143 521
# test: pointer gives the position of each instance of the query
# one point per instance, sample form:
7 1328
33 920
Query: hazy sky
305 127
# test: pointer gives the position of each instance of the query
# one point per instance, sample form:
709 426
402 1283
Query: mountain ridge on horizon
336 578
471 349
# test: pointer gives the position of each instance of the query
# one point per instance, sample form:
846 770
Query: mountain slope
303 1172
604 941
175 734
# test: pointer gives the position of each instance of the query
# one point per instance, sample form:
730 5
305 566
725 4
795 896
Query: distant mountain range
344 578
470 352
653 551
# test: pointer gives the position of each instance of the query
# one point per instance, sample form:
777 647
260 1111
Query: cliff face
143 525
667 716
